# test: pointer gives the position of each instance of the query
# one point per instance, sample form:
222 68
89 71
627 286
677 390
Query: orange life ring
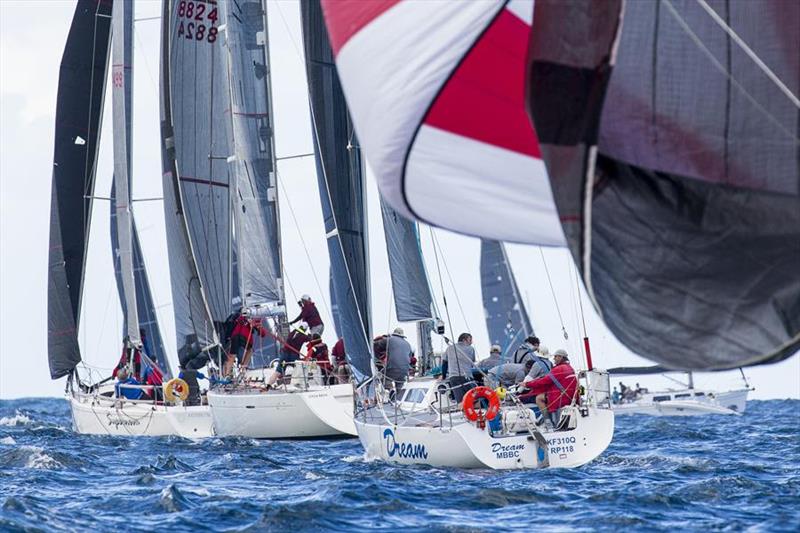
478 415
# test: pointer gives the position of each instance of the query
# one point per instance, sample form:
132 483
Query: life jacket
338 352
318 351
560 386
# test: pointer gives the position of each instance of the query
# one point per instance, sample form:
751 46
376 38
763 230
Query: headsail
340 171
253 164
412 294
194 325
200 120
79 108
506 317
674 173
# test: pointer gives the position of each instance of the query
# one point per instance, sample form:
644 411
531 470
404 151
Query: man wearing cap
398 358
494 359
510 374
555 390
540 365
310 315
458 361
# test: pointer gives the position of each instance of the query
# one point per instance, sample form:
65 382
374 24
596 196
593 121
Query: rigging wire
441 281
553 294
303 242
449 277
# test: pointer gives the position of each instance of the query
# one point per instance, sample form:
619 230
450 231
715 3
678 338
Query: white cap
544 351
496 348
305 297
399 332
562 352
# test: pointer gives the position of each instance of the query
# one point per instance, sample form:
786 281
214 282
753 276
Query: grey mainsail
506 318
79 108
122 105
253 161
194 325
412 294
340 170
200 121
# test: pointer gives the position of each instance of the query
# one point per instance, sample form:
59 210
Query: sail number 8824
200 24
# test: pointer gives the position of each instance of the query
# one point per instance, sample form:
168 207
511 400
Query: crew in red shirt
244 329
310 315
556 389
318 351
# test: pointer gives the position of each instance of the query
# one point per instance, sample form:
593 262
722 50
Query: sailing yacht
98 407
303 404
686 400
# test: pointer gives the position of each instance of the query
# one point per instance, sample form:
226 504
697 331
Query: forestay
340 170
79 107
506 317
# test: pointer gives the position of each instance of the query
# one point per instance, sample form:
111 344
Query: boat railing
597 386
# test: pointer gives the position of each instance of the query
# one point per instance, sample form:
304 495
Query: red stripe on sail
345 18
484 99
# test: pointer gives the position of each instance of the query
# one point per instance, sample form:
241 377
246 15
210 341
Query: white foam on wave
363 458
312 476
39 460
16 420
8 440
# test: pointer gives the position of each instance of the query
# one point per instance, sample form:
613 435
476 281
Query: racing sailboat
98 406
304 405
686 400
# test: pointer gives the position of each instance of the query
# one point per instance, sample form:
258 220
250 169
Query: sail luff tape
261 38
333 233
231 158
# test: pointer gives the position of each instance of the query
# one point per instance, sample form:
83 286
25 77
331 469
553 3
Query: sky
32 37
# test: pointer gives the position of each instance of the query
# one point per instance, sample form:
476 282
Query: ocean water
714 472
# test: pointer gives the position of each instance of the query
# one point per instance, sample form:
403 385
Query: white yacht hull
725 403
321 411
95 415
464 445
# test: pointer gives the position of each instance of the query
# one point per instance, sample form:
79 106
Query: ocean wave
18 419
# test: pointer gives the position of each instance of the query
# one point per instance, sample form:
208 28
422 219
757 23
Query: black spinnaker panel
79 108
340 170
676 170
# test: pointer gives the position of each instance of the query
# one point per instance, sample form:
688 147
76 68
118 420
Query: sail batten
79 108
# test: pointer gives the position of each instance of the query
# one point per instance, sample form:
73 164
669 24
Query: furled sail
253 162
673 174
506 318
194 325
412 294
200 118
670 131
148 319
340 171
122 106
79 108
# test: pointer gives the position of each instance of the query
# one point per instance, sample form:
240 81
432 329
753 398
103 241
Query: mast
122 86
79 110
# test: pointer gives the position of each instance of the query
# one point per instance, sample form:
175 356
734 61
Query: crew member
555 390
526 350
318 351
244 330
340 361
290 352
494 359
123 378
510 374
457 362
398 359
309 315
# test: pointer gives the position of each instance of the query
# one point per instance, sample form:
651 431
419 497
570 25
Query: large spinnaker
340 170
671 132
506 317
200 120
194 326
79 109
678 196
412 294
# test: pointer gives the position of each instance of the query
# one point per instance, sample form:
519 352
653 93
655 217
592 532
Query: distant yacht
684 401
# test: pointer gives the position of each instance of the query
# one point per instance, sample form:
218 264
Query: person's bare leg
542 404
228 364
246 360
